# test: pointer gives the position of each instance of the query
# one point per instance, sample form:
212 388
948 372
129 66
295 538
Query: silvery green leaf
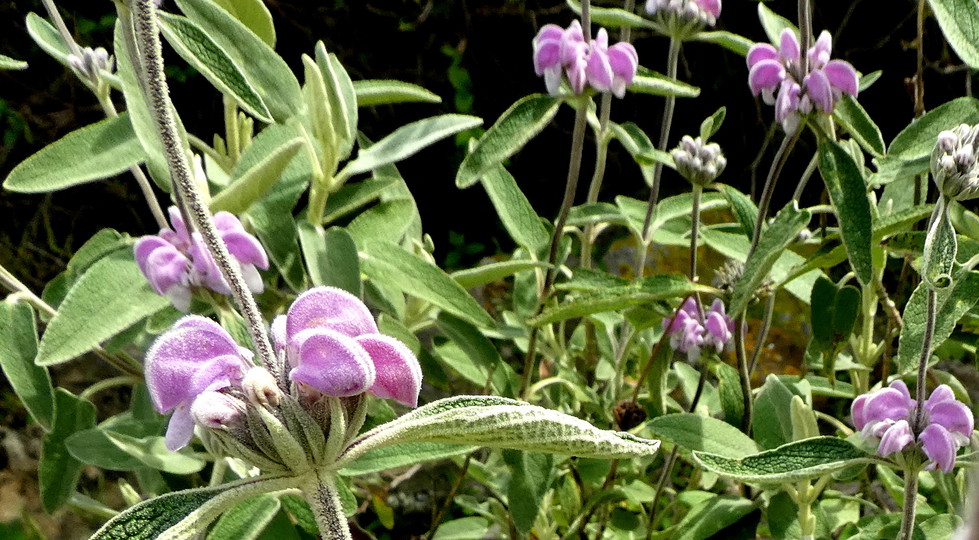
733 42
516 213
18 346
799 460
488 273
408 140
938 259
253 183
959 20
951 304
613 16
500 423
58 471
354 195
703 434
708 518
254 15
511 131
94 152
200 51
182 515
342 96
774 23
654 83
848 192
385 92
396 456
152 452
7 62
246 520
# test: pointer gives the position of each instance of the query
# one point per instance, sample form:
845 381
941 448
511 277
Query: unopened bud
215 410
260 387
698 162
954 164
90 63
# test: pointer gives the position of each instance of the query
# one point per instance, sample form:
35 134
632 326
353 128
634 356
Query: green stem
155 85
695 232
910 496
919 415
232 138
743 373
105 384
778 163
320 491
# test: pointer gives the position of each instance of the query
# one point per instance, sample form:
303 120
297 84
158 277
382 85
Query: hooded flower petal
842 76
895 438
759 52
547 48
599 70
765 75
888 404
180 429
818 89
332 309
215 410
399 376
789 46
820 52
712 7
938 444
162 264
332 363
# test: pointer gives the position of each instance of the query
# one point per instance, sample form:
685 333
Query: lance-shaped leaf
857 123
255 182
847 190
654 83
343 100
735 43
385 92
200 51
101 150
774 23
7 62
613 16
808 458
407 140
254 15
18 346
782 232
392 266
182 515
488 273
703 434
246 520
959 20
331 257
58 471
938 257
515 127
500 423
516 213
354 195
396 456
643 291
110 297
951 304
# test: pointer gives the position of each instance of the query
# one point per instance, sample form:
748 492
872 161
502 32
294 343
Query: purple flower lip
560 53
689 334
174 261
887 414
780 70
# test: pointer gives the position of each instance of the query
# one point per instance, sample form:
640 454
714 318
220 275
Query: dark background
477 56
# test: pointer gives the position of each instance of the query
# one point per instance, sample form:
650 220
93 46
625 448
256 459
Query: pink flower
887 414
174 262
688 334
780 70
564 52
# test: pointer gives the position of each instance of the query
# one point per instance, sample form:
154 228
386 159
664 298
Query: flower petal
180 429
399 376
246 248
759 52
887 404
842 76
858 411
937 443
818 89
599 70
820 52
332 363
214 410
765 75
953 416
712 7
329 308
166 267
789 45
624 61
895 438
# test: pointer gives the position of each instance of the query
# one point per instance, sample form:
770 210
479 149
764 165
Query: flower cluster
174 261
799 89
89 64
703 11
328 344
560 52
690 331
954 165
888 415
698 162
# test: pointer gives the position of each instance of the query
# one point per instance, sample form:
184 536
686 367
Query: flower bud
260 387
698 162
216 410
954 164
90 62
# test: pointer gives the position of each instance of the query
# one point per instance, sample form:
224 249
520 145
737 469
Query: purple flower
705 11
191 361
333 345
887 414
689 334
781 70
174 261
560 51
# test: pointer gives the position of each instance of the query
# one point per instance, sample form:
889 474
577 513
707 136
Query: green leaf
703 434
7 62
735 43
743 208
951 304
467 528
101 150
331 257
387 222
729 393
809 458
254 15
342 97
390 265
194 46
182 515
386 92
848 192
500 423
529 483
654 83
482 354
250 185
407 140
959 20
712 123
47 37
515 212
642 292
909 152
153 452
397 456
613 16
94 447
246 520
938 256
264 70
670 208
354 195
708 518
772 419
18 346
515 127
855 120
774 240
774 23
110 297
58 472
488 273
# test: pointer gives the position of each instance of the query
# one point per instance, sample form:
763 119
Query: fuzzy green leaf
809 458
516 213
703 434
58 472
18 346
959 20
7 62
848 192
250 185
101 150
254 15
354 195
515 127
612 17
735 43
396 456
385 92
951 304
708 518
246 520
488 273
855 120
408 140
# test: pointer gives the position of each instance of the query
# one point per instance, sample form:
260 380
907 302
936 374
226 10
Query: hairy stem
320 491
910 496
778 163
155 85
919 415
